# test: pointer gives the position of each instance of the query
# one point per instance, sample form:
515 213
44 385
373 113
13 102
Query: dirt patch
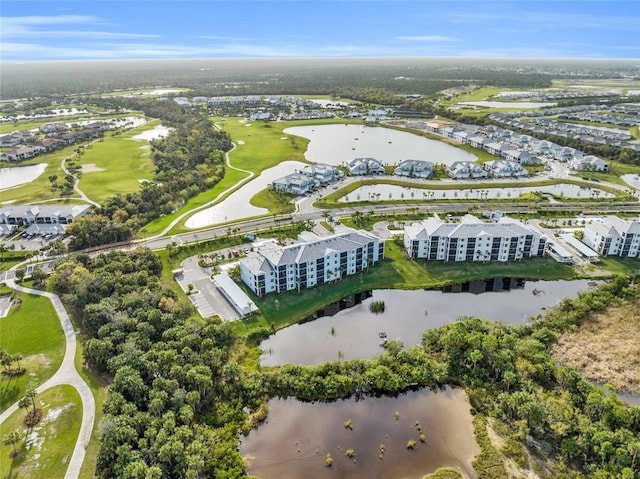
91 168
606 348
513 470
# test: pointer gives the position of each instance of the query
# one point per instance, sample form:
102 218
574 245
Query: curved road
66 374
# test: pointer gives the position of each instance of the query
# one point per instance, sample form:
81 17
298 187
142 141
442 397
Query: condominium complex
613 236
473 240
274 268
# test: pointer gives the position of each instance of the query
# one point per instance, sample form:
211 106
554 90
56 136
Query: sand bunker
91 168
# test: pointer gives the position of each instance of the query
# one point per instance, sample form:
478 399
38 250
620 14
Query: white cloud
21 25
22 28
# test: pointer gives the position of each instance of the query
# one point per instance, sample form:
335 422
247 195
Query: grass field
125 162
33 330
606 348
46 448
474 95
122 158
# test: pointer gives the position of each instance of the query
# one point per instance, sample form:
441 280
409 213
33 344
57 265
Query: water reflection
353 333
18 175
337 144
297 436
238 204
382 192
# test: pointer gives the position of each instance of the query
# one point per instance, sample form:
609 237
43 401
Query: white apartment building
473 240
613 237
275 269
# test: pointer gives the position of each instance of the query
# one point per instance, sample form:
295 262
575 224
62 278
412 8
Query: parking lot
206 297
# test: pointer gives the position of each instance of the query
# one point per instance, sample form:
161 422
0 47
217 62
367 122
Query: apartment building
613 237
473 240
275 269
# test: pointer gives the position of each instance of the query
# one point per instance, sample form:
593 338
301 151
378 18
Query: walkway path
76 188
66 374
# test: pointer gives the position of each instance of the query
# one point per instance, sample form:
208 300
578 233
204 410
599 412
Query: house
22 152
275 269
473 240
41 214
588 163
465 170
53 127
199 100
505 169
260 116
414 169
613 237
520 156
496 148
322 173
365 166
295 183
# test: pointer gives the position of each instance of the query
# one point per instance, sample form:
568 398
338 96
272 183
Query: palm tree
11 439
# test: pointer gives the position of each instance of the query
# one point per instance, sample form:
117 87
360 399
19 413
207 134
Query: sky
110 29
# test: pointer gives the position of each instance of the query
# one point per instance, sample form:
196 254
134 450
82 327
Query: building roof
306 251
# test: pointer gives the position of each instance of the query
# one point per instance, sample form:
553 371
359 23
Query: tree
39 277
11 439
34 414
20 274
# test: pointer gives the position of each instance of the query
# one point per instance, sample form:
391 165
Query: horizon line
394 57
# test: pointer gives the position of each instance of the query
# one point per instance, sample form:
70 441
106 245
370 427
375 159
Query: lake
237 205
18 175
295 439
396 192
407 314
631 179
338 144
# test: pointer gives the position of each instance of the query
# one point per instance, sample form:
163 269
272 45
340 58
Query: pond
295 439
237 205
632 179
352 331
18 175
338 144
508 104
396 192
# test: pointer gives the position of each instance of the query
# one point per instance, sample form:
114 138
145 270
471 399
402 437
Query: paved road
66 374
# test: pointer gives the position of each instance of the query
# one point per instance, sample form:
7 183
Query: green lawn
33 330
51 443
122 157
474 95
125 162
260 146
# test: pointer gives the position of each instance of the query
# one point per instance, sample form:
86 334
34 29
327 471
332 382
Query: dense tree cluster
182 391
188 161
276 76
169 373
511 376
